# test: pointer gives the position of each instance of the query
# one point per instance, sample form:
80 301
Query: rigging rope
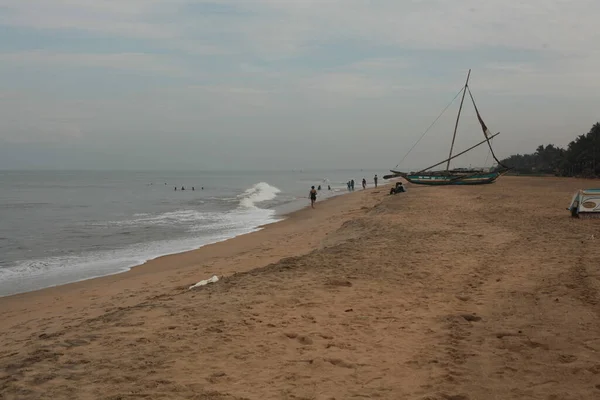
488 154
430 126
485 128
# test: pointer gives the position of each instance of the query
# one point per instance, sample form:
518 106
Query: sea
58 227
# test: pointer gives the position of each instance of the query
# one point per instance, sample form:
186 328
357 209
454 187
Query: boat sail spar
458 176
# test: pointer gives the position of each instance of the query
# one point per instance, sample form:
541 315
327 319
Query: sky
286 84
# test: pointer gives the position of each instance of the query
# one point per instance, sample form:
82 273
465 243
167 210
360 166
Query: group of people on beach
350 183
313 192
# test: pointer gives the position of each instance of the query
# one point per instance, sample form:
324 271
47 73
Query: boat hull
451 179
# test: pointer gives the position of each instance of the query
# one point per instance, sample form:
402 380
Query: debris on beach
205 282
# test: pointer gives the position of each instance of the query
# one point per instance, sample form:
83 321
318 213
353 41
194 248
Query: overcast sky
151 84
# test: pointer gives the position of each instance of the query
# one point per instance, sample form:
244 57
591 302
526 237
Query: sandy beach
440 293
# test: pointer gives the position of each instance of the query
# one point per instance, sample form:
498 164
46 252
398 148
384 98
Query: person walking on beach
364 183
313 196
352 185
375 180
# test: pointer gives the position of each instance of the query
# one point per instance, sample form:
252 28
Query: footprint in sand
471 317
339 363
567 358
305 340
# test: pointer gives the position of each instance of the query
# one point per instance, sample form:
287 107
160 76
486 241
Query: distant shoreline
297 208
130 231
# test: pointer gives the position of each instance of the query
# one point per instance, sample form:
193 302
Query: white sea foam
37 274
167 218
257 194
203 227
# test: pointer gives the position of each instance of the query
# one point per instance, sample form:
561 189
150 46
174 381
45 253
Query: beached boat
457 176
585 204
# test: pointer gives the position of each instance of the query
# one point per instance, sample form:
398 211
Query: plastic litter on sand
213 279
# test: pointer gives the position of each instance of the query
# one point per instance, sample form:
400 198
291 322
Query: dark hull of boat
449 179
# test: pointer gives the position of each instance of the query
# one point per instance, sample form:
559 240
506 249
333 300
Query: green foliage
580 158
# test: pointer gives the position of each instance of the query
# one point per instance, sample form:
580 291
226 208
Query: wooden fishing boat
457 176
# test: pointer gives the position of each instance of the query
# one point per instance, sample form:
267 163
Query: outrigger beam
461 153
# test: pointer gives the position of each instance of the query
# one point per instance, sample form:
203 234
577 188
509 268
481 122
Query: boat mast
457 118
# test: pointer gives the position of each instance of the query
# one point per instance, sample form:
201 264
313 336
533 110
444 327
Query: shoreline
277 216
162 260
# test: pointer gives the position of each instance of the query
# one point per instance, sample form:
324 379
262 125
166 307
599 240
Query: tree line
580 158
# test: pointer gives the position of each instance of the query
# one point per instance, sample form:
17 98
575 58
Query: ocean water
58 227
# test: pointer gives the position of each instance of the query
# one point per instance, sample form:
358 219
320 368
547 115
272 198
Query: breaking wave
191 228
257 194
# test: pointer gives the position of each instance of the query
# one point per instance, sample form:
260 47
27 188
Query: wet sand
460 293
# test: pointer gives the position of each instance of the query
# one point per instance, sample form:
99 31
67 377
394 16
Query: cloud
346 86
291 26
275 29
380 64
561 76
30 118
268 31
283 28
123 61
128 18
264 59
158 21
